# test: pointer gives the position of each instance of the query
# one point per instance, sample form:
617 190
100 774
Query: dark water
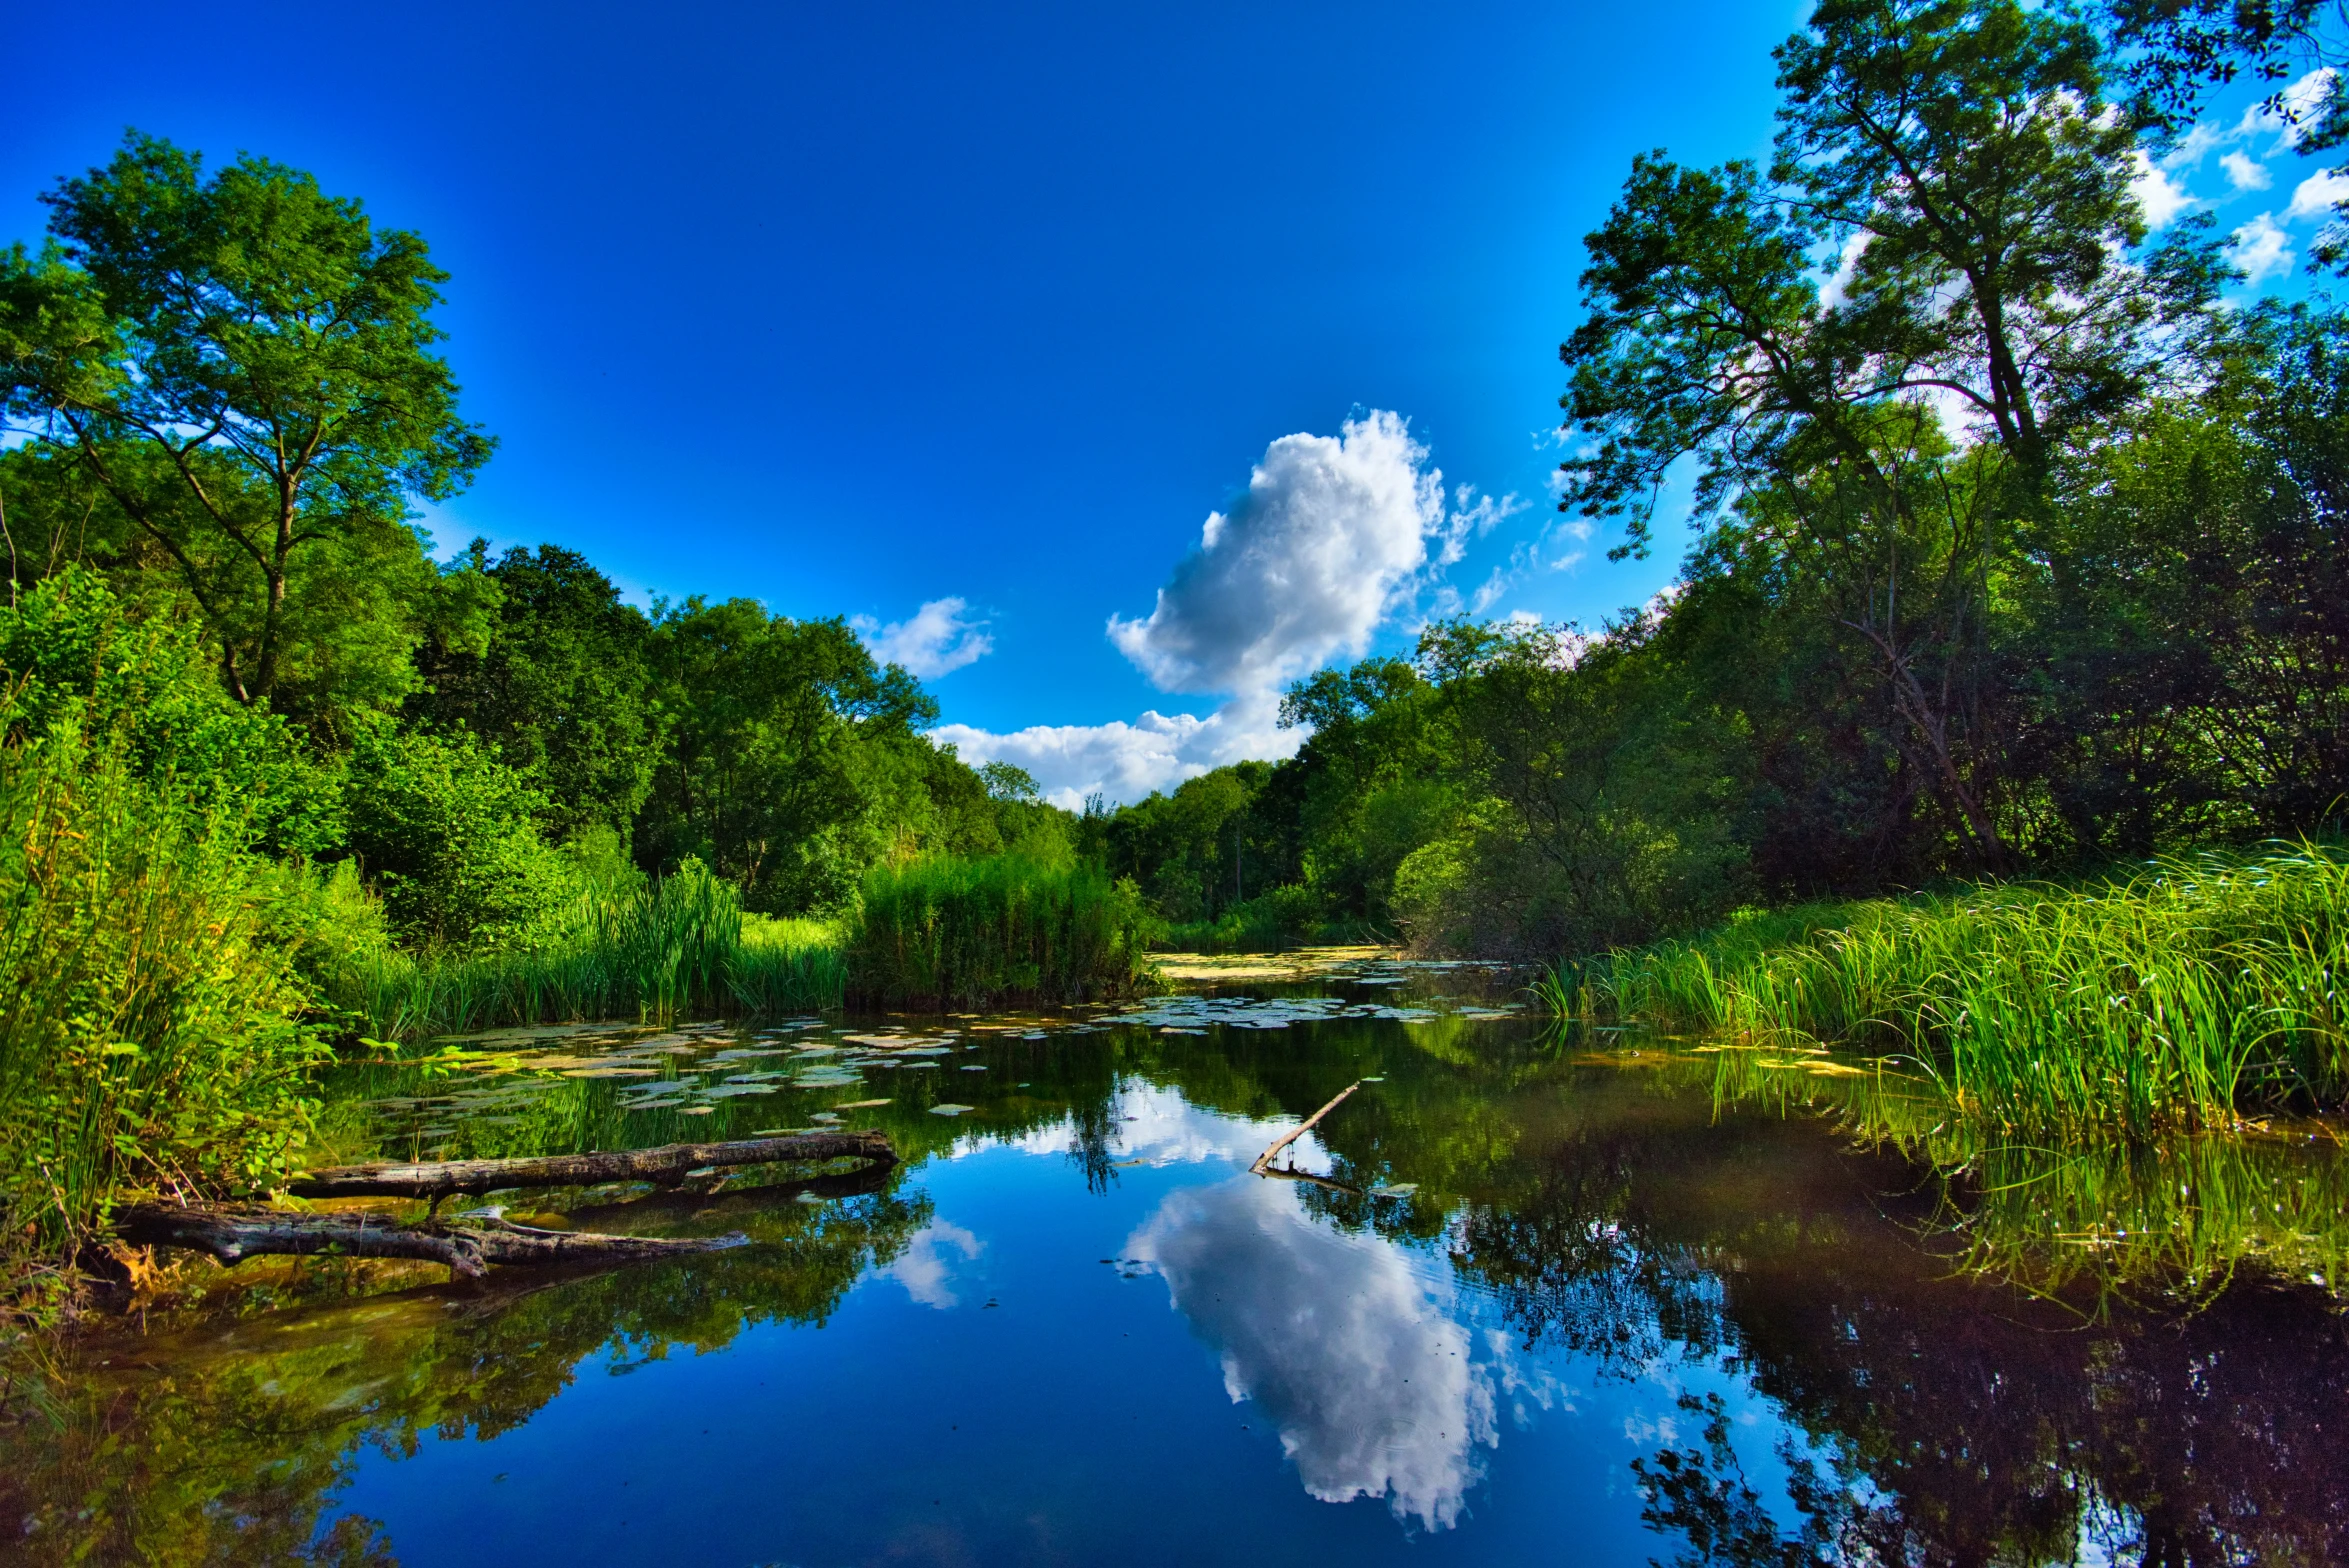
1543 1307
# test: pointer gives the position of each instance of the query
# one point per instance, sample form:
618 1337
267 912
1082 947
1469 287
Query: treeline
232 395
2017 548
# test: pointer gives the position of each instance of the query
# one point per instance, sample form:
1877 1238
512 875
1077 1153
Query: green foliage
153 1039
644 948
450 838
2175 996
242 366
940 931
794 762
561 689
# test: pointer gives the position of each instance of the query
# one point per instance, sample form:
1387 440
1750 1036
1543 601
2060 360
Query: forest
2014 557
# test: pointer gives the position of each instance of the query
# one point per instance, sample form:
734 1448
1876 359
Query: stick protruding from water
1265 1159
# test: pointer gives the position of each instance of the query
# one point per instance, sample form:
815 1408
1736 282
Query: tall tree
245 367
562 688
1949 164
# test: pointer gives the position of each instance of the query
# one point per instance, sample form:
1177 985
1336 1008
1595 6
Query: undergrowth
2172 997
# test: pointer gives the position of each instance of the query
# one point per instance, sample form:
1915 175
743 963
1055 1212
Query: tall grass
679 944
2172 997
942 931
151 1026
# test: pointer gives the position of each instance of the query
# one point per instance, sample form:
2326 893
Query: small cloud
2194 146
2320 193
2244 172
1837 289
939 638
2305 102
2158 196
2261 249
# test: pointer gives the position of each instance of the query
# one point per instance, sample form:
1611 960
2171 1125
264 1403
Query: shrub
449 837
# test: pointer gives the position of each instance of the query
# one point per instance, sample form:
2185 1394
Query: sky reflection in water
1598 1313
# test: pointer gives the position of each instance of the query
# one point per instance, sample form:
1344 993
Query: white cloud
2304 102
1334 537
2158 196
1305 566
939 637
2320 193
1125 762
1352 1354
2244 172
1837 289
924 1267
2261 249
2194 146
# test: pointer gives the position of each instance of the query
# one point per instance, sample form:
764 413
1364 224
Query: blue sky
861 309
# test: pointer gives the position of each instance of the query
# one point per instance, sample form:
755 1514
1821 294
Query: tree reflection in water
1981 1354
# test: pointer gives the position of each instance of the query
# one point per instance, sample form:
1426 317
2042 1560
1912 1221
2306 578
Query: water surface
1521 1299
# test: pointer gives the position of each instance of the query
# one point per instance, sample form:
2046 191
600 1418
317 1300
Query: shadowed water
1547 1300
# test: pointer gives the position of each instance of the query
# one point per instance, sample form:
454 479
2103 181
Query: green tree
794 761
562 688
245 367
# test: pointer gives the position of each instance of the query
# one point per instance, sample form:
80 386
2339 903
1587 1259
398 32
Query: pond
1520 1298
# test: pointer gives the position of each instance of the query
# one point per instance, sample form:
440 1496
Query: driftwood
1264 1161
466 1247
664 1166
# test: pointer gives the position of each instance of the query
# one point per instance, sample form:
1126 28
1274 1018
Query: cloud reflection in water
1353 1354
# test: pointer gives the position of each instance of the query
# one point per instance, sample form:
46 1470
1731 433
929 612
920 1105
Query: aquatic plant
2172 996
676 944
940 929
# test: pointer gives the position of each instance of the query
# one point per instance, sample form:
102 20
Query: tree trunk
467 1247
665 1166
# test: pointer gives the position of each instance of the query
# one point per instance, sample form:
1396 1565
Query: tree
244 366
562 687
793 759
1952 160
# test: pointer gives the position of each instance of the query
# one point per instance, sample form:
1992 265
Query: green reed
941 930
2176 996
151 1033
679 944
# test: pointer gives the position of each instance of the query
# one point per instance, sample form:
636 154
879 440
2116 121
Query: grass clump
2171 997
944 931
652 949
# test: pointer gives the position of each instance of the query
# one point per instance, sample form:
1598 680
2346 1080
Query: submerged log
664 1166
467 1247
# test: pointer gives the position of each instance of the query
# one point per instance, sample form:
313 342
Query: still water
1545 1301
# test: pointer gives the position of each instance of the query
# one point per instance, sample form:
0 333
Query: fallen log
664 1166
467 1247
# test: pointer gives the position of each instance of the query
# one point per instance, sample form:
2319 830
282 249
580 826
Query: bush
449 837
941 931
1271 922
152 1039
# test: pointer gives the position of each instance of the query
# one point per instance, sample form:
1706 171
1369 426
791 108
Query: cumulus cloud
1305 565
2158 196
2245 173
1334 537
937 638
1353 1355
2320 193
2261 249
